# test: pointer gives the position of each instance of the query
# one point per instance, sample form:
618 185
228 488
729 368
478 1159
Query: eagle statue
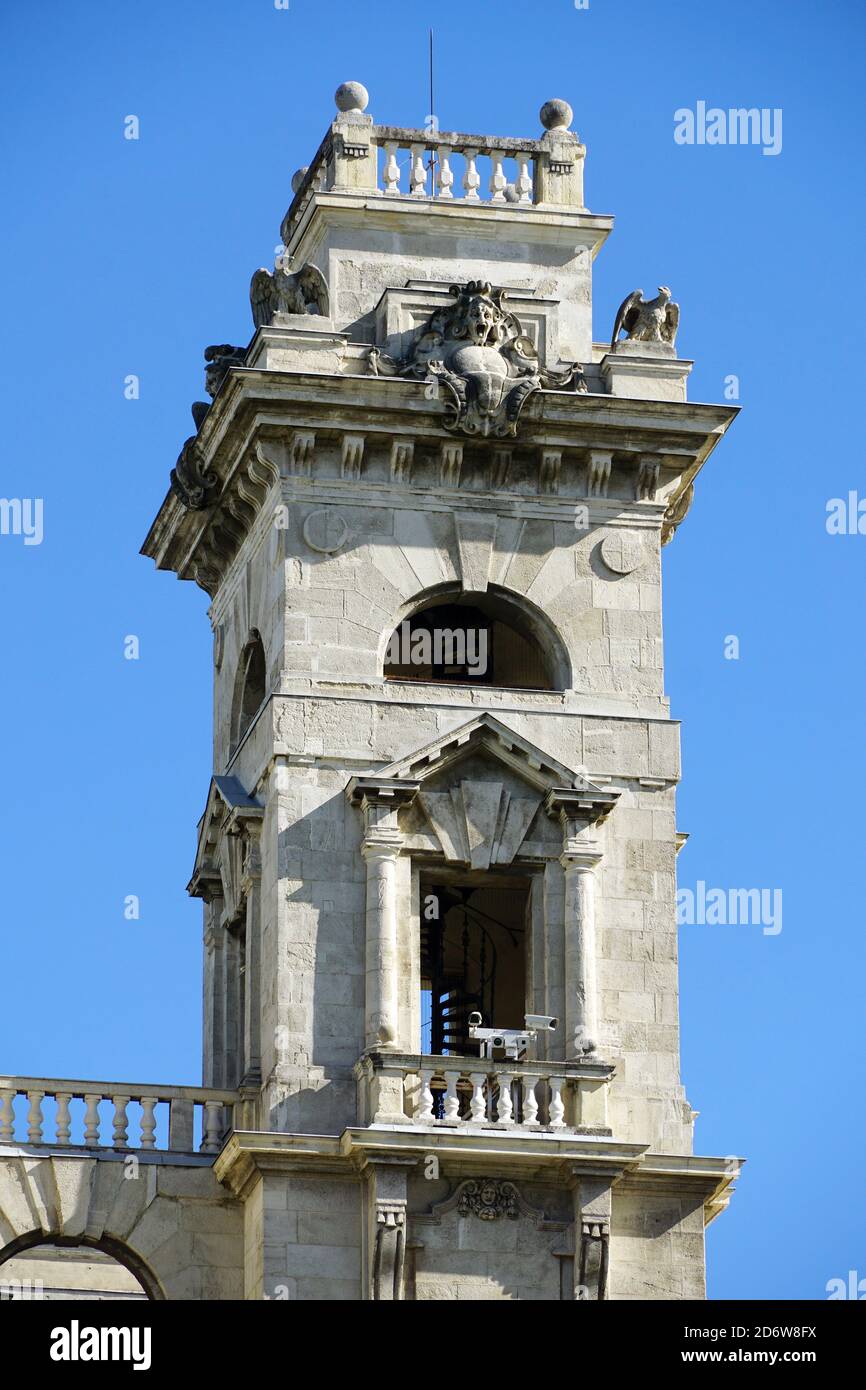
647 320
303 291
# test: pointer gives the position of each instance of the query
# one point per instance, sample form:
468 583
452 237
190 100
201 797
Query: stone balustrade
527 1097
358 156
178 1118
428 165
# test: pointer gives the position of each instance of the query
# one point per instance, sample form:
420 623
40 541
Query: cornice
269 427
249 1154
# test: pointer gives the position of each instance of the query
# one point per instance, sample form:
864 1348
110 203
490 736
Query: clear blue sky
129 257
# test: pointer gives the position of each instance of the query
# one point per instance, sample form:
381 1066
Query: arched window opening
250 687
67 1271
478 640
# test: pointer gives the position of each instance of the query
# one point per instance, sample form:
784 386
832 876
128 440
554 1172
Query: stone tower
429 512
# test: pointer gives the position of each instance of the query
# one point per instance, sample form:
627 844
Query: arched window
476 639
65 1268
250 687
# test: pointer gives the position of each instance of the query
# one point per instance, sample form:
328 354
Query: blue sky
125 257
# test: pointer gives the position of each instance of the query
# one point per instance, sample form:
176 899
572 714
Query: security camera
542 1023
513 1042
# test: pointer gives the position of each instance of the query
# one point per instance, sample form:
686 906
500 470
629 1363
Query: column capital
380 799
586 804
579 811
382 843
392 792
583 856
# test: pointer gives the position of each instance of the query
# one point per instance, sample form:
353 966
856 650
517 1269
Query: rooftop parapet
358 156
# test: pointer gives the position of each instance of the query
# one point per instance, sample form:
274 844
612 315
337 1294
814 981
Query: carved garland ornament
474 354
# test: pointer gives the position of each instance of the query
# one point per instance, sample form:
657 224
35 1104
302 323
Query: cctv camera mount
509 1043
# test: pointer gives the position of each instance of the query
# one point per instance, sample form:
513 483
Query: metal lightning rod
431 119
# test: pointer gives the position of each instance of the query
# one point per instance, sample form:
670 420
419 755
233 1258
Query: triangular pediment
478 817
227 803
535 767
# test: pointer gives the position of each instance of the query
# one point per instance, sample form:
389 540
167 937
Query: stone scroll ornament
389 1252
191 481
474 354
594 1259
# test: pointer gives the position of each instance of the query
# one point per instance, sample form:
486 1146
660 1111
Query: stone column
218 979
380 1014
210 939
581 991
380 802
580 810
251 1064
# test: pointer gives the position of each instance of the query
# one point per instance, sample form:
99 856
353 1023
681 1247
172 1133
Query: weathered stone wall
310 1238
328 618
180 1230
656 1246
459 1258
324 620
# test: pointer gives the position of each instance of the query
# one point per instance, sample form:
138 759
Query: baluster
424 1108
91 1121
557 1108
121 1123
62 1120
530 1101
7 1117
417 172
504 1105
498 181
452 1100
477 1103
34 1116
445 176
523 182
212 1127
148 1122
391 171
472 178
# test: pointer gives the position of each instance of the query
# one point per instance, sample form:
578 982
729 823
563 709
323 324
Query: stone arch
172 1225
118 1250
250 687
501 605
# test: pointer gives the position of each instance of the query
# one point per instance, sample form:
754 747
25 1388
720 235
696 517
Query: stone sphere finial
351 96
298 177
556 114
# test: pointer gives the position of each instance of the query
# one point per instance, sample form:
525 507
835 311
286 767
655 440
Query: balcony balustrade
173 1118
460 1092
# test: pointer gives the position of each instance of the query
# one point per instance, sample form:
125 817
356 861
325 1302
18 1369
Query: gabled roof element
228 806
480 821
486 732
